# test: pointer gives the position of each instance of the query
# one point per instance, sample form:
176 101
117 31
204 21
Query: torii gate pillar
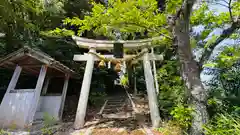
83 99
152 96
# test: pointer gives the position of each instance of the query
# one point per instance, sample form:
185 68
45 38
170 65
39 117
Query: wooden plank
31 70
85 57
135 82
15 109
30 65
21 90
104 105
37 93
64 93
152 96
24 67
132 103
11 57
83 99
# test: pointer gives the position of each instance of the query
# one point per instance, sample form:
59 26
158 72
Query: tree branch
225 34
225 1
230 10
220 4
154 30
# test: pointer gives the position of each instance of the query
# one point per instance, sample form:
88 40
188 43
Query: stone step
113 99
118 115
117 98
115 102
114 106
111 104
109 109
115 109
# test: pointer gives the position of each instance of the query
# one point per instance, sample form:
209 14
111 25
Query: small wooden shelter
22 106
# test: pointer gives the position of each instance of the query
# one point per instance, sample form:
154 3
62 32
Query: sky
218 31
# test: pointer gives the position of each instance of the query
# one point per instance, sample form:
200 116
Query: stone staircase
117 107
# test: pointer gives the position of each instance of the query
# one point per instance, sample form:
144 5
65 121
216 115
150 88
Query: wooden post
83 99
5 99
109 65
135 81
37 93
155 73
152 96
64 93
14 79
45 87
130 76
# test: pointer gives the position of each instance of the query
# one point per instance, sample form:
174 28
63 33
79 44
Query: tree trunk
191 77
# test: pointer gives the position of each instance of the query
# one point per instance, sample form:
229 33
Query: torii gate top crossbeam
103 44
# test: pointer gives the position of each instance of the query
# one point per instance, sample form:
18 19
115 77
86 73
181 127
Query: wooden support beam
11 63
45 86
155 73
37 93
30 70
152 96
104 105
83 99
30 65
23 67
85 57
64 93
14 79
109 65
10 58
5 101
135 81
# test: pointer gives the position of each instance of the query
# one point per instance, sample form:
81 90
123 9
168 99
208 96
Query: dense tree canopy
48 25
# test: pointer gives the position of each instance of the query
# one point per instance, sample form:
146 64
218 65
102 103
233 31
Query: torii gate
94 45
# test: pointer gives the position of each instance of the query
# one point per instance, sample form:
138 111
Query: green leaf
210 65
211 40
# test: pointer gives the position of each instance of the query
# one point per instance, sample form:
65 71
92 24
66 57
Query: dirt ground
107 128
103 127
